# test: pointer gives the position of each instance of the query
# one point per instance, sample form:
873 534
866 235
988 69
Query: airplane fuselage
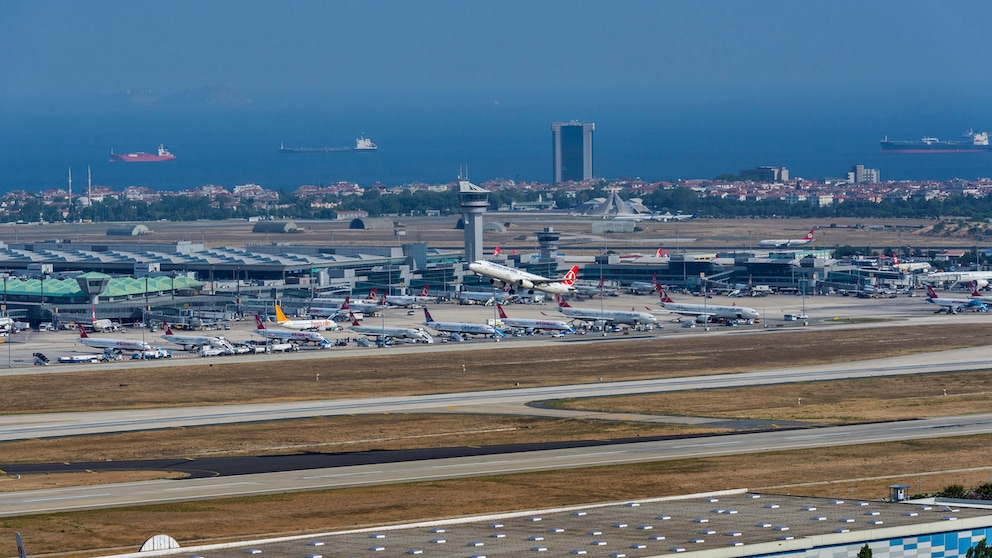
712 311
610 316
500 275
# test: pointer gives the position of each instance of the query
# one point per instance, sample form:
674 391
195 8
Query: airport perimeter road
19 427
151 492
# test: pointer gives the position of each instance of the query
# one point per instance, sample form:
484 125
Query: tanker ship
976 142
141 156
361 144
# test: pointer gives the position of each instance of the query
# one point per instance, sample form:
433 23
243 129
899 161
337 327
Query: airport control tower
548 241
474 201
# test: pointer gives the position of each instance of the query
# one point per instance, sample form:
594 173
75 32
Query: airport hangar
167 279
724 524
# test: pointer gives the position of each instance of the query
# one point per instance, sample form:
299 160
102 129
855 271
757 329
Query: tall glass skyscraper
572 150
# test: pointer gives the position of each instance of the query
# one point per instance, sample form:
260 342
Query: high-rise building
572 150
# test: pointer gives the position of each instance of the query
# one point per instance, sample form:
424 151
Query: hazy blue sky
578 51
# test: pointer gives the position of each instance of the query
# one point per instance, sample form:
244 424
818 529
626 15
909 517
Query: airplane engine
525 284
702 319
981 283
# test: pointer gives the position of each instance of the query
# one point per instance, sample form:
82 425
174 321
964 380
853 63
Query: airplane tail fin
569 278
502 314
974 289
602 282
496 251
663 295
354 320
280 316
93 313
82 331
661 253
258 322
371 294
809 235
346 305
562 303
930 292
382 301
895 260
20 545
427 315
423 292
168 330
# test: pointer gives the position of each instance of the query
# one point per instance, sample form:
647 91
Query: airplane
282 320
502 275
194 342
103 324
981 278
109 343
460 327
667 216
785 242
417 334
706 312
602 317
589 290
288 335
975 295
954 305
405 300
486 297
366 305
553 325
637 287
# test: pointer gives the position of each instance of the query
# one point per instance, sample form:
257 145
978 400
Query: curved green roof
118 286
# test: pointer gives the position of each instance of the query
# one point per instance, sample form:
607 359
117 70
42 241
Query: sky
574 52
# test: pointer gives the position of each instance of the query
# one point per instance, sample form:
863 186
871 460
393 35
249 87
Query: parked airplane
706 312
410 300
637 287
486 297
103 324
785 242
954 305
109 343
502 275
417 334
603 317
592 290
461 327
366 305
551 325
288 335
314 325
975 295
980 278
194 342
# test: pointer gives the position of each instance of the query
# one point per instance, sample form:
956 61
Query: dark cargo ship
361 144
977 142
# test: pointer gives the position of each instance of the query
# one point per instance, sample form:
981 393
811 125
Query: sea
433 143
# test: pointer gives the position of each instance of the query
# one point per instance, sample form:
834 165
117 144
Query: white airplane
706 312
602 317
552 325
486 297
638 287
194 342
461 327
410 300
500 275
975 295
980 278
417 334
368 305
785 242
109 343
314 325
288 335
103 324
955 305
590 290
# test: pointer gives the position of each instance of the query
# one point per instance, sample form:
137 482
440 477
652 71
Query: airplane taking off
706 312
552 325
417 334
602 317
954 305
313 325
404 300
461 327
194 342
500 275
108 343
289 335
785 242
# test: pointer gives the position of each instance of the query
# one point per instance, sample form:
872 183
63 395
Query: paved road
19 427
89 497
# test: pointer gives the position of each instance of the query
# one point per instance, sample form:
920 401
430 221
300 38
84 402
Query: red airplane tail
974 289
661 253
931 293
496 251
423 292
562 303
809 235
663 295
346 304
569 278
602 282
371 294
427 315
168 330
82 331
502 314
258 322
354 320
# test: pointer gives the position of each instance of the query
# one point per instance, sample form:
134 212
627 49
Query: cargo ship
361 144
141 156
976 142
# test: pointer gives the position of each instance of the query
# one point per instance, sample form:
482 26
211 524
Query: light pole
702 286
802 285
10 331
143 313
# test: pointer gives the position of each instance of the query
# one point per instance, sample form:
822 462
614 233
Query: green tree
980 550
865 551
953 491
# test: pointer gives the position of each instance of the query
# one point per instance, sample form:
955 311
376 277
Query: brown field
862 470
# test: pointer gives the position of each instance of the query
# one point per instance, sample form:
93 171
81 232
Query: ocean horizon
227 146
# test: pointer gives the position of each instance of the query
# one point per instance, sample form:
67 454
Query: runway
152 492
47 425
